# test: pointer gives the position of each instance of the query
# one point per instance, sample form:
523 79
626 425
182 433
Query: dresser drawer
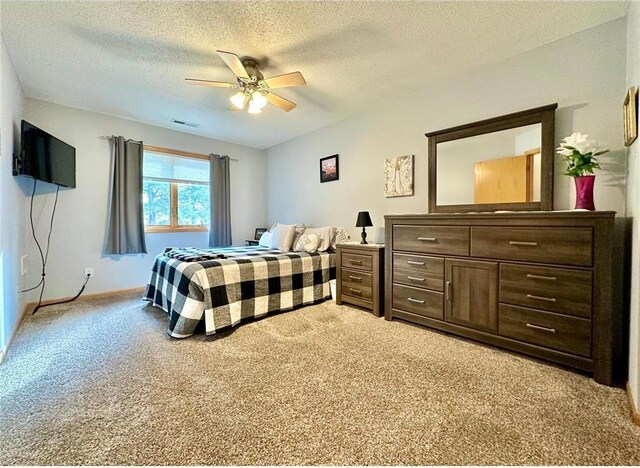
357 261
418 301
560 332
567 246
420 271
449 240
554 289
356 278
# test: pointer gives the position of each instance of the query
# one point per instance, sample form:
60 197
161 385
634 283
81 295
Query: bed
193 286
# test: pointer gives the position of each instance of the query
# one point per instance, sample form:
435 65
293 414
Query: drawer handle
415 278
417 301
530 244
540 277
447 291
411 262
538 327
357 278
428 239
541 298
358 291
356 262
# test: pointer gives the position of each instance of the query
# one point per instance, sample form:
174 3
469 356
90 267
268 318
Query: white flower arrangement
579 153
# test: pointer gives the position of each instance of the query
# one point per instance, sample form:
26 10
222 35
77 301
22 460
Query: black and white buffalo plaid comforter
249 282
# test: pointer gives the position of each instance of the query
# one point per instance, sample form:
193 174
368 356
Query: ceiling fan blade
233 62
280 102
215 84
285 81
234 108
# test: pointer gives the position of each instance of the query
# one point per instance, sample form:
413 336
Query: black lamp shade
363 219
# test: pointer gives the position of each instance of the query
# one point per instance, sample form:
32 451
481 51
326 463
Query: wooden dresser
538 283
360 280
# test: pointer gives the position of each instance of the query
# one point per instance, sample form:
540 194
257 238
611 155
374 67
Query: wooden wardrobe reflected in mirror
503 163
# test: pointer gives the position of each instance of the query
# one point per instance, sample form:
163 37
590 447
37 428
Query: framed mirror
503 163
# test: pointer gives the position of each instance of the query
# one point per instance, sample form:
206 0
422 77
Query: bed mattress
249 282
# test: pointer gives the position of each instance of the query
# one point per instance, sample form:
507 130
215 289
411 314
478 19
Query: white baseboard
635 415
3 353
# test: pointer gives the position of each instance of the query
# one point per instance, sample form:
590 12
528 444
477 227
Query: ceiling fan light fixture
238 99
254 108
258 99
254 88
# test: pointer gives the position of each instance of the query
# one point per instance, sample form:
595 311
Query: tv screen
44 157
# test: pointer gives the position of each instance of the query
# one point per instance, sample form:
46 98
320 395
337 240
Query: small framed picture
329 169
631 116
259 232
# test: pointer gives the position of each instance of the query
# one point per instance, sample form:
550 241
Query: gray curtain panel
125 233
219 183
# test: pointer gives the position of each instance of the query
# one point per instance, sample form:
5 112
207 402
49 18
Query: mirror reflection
499 167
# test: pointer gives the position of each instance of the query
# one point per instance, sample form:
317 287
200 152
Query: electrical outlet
88 272
23 265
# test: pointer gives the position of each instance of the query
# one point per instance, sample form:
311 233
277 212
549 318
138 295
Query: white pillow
283 237
307 243
265 239
341 237
299 230
326 234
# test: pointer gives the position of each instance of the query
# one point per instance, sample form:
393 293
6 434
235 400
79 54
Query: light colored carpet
99 382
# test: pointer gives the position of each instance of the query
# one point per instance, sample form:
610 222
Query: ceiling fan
255 90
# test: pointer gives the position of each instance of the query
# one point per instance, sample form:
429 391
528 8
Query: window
175 191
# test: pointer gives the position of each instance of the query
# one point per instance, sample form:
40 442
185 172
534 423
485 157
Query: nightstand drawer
555 289
432 239
419 271
356 278
569 246
555 331
418 301
360 276
361 292
357 260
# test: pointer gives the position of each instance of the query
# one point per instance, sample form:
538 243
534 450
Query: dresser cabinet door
471 294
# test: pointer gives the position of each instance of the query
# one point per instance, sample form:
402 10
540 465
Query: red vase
584 192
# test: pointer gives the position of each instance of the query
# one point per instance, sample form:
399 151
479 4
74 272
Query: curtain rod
170 151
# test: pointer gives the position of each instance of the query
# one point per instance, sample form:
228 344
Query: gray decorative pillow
341 237
307 243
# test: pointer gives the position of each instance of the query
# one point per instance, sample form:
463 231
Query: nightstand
360 276
251 242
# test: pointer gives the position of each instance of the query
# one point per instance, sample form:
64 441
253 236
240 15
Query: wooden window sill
158 229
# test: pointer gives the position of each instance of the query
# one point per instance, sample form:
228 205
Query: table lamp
363 221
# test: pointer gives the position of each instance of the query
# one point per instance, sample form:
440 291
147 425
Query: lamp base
364 237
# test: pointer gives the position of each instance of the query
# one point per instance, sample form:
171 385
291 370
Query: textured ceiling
129 59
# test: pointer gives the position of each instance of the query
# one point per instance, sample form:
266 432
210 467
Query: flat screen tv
45 157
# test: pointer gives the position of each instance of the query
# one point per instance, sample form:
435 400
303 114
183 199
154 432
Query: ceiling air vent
182 122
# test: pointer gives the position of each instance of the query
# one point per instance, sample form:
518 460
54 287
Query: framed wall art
329 170
631 116
398 176
258 233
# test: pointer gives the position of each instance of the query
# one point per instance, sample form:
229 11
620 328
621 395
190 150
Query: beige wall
12 202
81 217
633 207
583 73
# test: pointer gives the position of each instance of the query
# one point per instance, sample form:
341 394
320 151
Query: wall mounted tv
44 157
